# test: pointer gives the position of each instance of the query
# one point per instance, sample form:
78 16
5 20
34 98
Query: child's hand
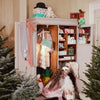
69 92
65 92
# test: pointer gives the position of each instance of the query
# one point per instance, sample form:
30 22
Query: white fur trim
65 68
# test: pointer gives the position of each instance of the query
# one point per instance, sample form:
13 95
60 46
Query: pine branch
3 40
5 97
8 77
2 28
27 90
5 51
92 87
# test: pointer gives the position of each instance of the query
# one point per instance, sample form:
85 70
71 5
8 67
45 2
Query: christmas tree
8 78
12 85
92 88
27 90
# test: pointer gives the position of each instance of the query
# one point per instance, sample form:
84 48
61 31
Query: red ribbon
30 26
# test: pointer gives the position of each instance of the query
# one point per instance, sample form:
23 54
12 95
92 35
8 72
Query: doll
40 83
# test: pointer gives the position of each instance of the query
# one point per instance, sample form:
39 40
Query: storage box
71 51
74 15
39 12
62 53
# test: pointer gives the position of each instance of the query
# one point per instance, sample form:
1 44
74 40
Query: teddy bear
50 13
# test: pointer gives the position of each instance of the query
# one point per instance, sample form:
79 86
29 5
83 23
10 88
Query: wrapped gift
74 15
62 53
72 30
67 30
39 12
71 51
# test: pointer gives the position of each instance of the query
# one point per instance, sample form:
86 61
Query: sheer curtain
9 13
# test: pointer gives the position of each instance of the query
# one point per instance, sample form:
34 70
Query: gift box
39 12
67 30
71 51
74 15
62 53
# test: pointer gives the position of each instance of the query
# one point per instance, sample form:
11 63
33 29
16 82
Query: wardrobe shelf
65 55
62 48
66 60
71 44
63 34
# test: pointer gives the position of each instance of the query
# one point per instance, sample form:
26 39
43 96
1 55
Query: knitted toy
39 82
46 75
50 13
39 10
81 17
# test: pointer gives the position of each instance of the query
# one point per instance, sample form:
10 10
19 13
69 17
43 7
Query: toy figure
40 83
46 75
81 17
39 10
50 13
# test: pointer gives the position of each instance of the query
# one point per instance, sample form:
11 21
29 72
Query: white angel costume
68 88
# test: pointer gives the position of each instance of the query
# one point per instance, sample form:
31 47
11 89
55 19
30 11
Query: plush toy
40 83
39 10
46 75
50 13
81 17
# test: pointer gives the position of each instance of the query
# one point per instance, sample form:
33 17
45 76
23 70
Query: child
53 88
67 85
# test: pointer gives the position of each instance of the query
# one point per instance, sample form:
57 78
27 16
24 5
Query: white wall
9 13
60 7
63 8
75 5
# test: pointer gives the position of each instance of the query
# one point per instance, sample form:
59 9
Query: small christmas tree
27 90
8 78
13 86
92 88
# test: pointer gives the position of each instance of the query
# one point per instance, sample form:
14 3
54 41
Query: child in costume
67 84
53 87
60 84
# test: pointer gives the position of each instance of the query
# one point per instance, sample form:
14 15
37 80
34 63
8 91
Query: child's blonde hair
66 68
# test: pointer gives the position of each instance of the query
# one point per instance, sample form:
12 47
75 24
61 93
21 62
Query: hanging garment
45 40
75 68
55 92
68 88
30 27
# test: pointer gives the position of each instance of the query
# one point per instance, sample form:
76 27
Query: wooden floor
43 98
40 98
